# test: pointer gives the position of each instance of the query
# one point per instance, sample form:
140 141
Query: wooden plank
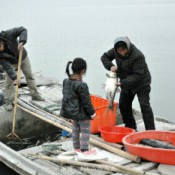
145 166
166 169
124 162
57 113
61 124
155 171
21 164
58 169
47 106
132 165
94 171
124 169
115 145
32 150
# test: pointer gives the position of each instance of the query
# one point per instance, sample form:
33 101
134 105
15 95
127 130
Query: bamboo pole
68 124
42 114
115 145
92 140
17 89
46 119
104 165
76 163
116 151
127 170
13 134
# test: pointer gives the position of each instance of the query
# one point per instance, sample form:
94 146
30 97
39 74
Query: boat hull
26 125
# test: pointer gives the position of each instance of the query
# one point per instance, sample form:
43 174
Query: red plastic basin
164 156
100 106
115 134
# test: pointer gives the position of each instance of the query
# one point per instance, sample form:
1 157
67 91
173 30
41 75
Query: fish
157 143
110 89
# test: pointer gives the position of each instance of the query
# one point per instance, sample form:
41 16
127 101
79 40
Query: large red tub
165 156
102 118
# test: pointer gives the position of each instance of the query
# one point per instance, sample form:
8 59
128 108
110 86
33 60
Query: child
77 106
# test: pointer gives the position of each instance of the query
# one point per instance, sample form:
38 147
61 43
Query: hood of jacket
125 39
4 36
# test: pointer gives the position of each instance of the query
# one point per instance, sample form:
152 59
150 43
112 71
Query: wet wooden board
54 96
94 171
132 165
119 174
155 171
21 164
67 145
125 162
166 169
40 80
145 166
58 169
52 107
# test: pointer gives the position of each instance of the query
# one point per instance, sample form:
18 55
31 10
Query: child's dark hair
78 64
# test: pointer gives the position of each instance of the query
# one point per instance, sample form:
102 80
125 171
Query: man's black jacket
11 53
132 69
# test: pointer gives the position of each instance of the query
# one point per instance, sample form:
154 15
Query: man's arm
137 72
107 58
8 68
20 32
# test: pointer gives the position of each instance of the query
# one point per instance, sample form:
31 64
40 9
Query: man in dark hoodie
135 79
9 53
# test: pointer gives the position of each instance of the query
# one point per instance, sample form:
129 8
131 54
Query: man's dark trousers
125 105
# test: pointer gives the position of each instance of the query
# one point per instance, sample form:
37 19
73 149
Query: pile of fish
157 143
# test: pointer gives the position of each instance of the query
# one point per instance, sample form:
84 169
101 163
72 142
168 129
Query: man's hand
118 84
114 68
93 116
20 46
71 121
16 82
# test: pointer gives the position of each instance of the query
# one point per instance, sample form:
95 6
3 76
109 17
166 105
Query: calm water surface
60 30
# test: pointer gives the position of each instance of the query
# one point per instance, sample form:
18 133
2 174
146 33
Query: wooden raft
49 111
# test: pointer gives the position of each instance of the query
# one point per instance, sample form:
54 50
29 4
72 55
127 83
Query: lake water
59 30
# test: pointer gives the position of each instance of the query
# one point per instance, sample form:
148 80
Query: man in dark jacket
9 53
135 79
